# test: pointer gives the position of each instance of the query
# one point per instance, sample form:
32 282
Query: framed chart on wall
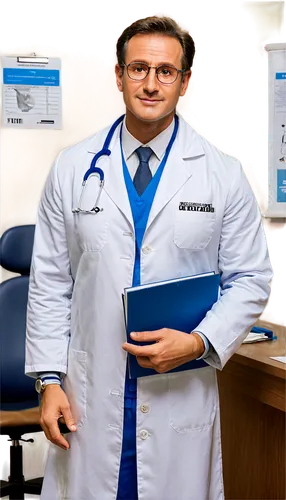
31 92
276 130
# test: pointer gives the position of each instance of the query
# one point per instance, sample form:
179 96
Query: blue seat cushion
16 388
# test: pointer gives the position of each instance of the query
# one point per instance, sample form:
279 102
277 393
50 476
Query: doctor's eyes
165 73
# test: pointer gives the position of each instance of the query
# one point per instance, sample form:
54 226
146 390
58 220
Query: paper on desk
255 337
282 359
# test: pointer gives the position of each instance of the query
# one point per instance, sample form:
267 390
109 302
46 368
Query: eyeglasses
165 73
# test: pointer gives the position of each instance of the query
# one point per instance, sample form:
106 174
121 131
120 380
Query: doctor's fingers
51 428
160 367
144 362
52 433
144 350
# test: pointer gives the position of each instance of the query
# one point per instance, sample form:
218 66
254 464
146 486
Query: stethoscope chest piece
96 210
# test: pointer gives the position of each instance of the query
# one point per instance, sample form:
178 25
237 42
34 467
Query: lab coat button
143 434
146 250
144 408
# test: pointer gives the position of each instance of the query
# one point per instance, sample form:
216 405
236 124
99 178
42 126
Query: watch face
39 385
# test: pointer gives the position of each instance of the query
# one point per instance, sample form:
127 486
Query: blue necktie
143 173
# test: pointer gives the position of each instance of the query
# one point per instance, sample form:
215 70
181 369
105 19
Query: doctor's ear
185 82
119 76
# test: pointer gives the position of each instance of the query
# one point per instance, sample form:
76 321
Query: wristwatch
46 378
40 385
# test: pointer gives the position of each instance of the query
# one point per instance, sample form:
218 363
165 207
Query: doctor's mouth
149 102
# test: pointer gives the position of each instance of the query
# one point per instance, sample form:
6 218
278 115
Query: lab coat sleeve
245 274
51 285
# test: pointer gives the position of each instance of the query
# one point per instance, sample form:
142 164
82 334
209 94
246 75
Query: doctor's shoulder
228 168
219 165
89 145
72 160
218 160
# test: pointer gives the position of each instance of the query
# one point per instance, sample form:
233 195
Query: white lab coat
75 324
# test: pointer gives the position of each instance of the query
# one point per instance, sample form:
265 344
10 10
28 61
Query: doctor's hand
54 406
171 349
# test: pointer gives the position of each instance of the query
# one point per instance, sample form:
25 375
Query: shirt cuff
50 377
206 344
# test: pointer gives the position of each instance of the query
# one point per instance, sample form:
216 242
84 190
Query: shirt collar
158 144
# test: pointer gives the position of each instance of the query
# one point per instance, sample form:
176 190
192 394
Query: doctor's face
149 100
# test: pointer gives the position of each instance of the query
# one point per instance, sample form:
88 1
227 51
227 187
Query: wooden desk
252 399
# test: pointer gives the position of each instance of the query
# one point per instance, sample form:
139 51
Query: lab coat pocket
193 230
193 399
91 231
75 385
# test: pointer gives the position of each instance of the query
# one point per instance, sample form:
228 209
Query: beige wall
268 17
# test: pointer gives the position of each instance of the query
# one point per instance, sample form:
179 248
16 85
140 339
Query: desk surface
257 355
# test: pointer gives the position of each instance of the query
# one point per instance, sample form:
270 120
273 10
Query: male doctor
159 438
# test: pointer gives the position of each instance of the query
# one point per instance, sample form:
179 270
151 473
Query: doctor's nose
151 83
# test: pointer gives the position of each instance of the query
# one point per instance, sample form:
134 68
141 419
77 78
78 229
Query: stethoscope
93 170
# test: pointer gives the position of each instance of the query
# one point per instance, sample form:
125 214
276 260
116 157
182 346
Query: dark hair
159 25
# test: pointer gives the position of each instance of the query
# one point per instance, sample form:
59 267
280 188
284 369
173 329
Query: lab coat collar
189 142
178 169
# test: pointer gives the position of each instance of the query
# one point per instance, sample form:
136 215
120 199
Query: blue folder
179 304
